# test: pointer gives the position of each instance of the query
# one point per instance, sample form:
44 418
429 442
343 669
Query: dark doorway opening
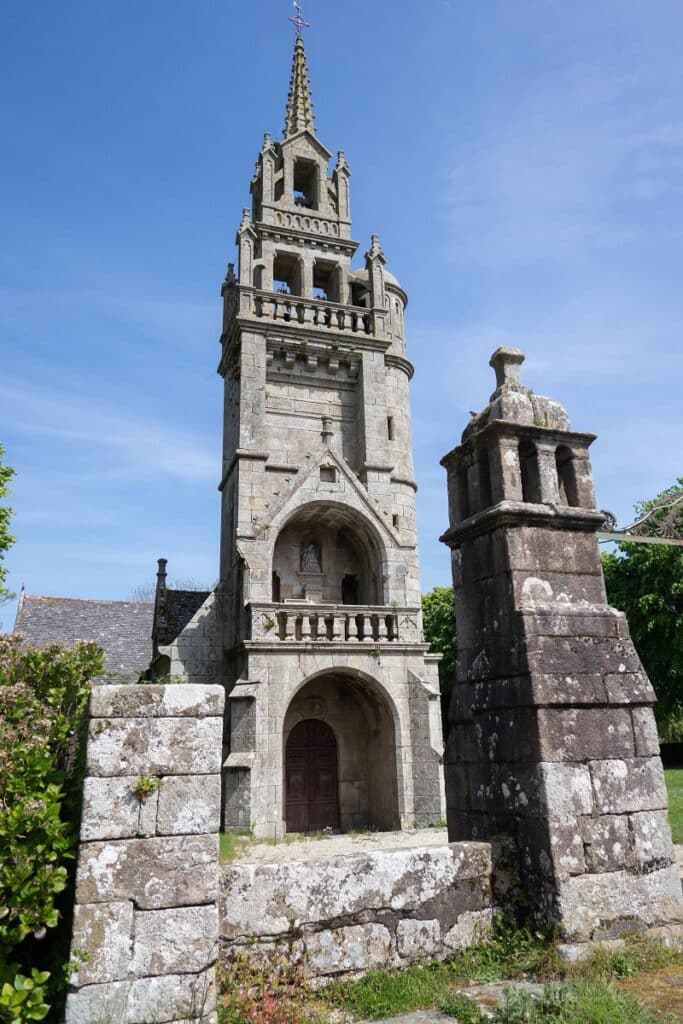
350 589
312 793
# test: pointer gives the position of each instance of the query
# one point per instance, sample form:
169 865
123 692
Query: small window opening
531 480
566 476
306 184
390 428
276 589
350 589
328 474
326 281
395 521
286 274
360 296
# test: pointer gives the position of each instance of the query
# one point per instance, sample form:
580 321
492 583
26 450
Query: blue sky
522 163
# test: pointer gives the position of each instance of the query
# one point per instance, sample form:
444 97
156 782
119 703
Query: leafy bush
22 998
43 694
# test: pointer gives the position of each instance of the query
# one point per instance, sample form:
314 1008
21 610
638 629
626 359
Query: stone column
552 739
146 920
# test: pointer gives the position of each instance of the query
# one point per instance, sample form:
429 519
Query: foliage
584 1003
266 990
22 998
646 582
509 954
145 786
674 785
43 694
438 615
6 539
465 1009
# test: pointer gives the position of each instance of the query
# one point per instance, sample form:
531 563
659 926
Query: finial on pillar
267 141
375 250
506 362
230 274
246 218
161 570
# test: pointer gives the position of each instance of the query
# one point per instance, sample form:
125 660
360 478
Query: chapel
315 625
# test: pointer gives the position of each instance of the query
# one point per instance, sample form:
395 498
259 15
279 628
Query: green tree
646 582
6 539
438 613
43 695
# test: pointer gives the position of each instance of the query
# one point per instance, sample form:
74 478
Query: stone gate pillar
146 920
552 739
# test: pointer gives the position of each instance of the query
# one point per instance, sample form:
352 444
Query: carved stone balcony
294 309
302 622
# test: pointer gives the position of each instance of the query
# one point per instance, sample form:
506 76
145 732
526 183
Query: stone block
111 810
651 834
470 928
103 931
154 700
567 790
621 787
645 732
171 997
144 1001
173 871
178 941
580 734
157 746
606 906
341 950
608 845
580 655
629 688
189 805
418 940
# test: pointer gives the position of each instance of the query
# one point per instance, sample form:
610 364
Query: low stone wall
358 912
145 921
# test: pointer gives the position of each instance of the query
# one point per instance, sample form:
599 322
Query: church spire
299 115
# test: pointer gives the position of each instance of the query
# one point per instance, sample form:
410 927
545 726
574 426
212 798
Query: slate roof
122 628
181 605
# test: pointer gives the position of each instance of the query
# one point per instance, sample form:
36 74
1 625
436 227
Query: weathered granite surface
552 739
146 919
356 912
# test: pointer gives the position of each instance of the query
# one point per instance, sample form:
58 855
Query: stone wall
348 914
145 919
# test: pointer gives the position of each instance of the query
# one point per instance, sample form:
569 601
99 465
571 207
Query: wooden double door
311 788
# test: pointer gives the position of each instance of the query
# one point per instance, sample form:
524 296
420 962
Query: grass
674 784
508 956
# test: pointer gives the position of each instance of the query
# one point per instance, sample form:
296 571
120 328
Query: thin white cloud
134 442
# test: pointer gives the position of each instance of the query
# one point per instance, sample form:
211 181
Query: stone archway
359 716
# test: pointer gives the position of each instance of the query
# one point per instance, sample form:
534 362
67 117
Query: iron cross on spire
298 20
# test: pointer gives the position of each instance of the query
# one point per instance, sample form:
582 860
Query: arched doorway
357 715
312 795
328 553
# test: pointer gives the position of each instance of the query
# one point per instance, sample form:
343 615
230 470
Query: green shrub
43 694
585 1003
22 998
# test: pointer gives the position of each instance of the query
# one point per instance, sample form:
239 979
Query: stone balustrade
296 309
303 622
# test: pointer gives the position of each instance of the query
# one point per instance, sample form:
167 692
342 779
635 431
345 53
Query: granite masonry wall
146 919
344 915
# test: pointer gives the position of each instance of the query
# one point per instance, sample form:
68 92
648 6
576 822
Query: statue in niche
310 558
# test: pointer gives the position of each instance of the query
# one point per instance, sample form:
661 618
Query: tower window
326 282
328 474
306 184
390 428
485 495
286 274
566 476
395 521
531 479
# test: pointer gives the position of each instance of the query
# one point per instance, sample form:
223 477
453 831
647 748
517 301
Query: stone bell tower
552 740
333 697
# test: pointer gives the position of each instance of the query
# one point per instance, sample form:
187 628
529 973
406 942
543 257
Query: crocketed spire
299 115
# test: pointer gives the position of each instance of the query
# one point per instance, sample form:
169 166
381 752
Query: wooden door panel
312 797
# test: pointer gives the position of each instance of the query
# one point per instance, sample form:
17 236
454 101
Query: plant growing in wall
145 786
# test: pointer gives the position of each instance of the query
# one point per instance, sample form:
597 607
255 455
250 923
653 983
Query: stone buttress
552 738
315 627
